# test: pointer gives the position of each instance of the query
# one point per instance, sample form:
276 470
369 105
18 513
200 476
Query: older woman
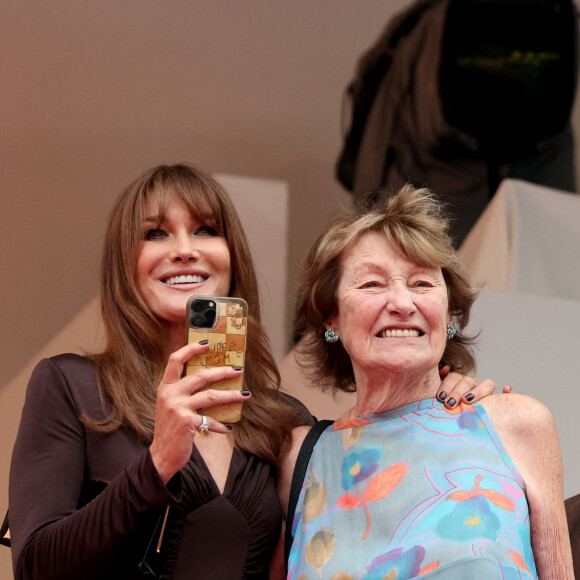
401 486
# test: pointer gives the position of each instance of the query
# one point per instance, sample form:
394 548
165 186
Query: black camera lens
203 313
198 320
210 317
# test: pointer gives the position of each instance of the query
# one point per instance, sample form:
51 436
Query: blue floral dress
418 491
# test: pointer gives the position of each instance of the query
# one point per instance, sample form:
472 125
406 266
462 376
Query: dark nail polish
469 397
205 341
442 395
246 393
451 402
238 368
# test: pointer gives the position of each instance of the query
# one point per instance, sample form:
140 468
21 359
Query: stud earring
330 335
451 331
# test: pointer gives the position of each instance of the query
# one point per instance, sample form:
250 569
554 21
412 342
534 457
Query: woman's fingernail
246 393
469 397
451 402
238 368
442 395
204 341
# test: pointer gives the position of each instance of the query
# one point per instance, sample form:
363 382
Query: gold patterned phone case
223 322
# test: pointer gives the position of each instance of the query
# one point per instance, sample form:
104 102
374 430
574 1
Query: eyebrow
364 267
371 268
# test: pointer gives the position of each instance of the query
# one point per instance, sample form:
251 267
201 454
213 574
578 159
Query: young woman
121 428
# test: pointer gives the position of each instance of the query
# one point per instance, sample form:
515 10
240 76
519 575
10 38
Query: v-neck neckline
229 476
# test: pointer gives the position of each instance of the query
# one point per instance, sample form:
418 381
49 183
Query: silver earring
451 331
330 335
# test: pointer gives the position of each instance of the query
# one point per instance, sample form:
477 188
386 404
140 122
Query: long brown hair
132 363
415 222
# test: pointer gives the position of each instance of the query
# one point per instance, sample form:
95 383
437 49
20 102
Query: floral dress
418 491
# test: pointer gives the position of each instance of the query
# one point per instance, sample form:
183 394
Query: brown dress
573 515
59 464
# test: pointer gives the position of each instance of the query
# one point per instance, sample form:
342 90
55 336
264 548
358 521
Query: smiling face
179 256
392 313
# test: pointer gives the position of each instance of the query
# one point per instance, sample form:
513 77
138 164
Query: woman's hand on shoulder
178 397
456 388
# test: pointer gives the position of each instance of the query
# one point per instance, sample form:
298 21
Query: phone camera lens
198 320
210 317
203 313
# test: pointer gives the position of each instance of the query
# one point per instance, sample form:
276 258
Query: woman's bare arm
284 481
528 432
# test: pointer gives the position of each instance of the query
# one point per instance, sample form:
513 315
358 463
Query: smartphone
223 321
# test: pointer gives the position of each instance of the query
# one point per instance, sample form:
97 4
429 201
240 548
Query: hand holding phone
223 321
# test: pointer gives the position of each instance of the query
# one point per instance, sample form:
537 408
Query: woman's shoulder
527 430
65 376
299 435
66 369
517 412
67 363
288 463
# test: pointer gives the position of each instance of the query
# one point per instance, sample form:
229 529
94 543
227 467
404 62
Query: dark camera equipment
203 313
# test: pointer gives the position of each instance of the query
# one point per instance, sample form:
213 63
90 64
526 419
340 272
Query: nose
184 248
400 300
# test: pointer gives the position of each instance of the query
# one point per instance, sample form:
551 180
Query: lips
184 279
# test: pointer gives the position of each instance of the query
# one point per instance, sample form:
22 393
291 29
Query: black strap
298 478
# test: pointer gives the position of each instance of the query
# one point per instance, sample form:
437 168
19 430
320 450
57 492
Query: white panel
527 240
262 205
531 343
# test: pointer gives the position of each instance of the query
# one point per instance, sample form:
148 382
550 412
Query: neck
392 390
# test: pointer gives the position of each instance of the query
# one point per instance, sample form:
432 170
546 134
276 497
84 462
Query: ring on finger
203 426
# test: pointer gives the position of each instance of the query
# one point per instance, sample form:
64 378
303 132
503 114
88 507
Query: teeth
183 280
400 332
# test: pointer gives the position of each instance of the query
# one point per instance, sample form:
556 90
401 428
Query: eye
206 231
370 285
423 284
155 234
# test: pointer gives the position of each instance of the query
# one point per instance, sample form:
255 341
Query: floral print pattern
358 466
420 491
